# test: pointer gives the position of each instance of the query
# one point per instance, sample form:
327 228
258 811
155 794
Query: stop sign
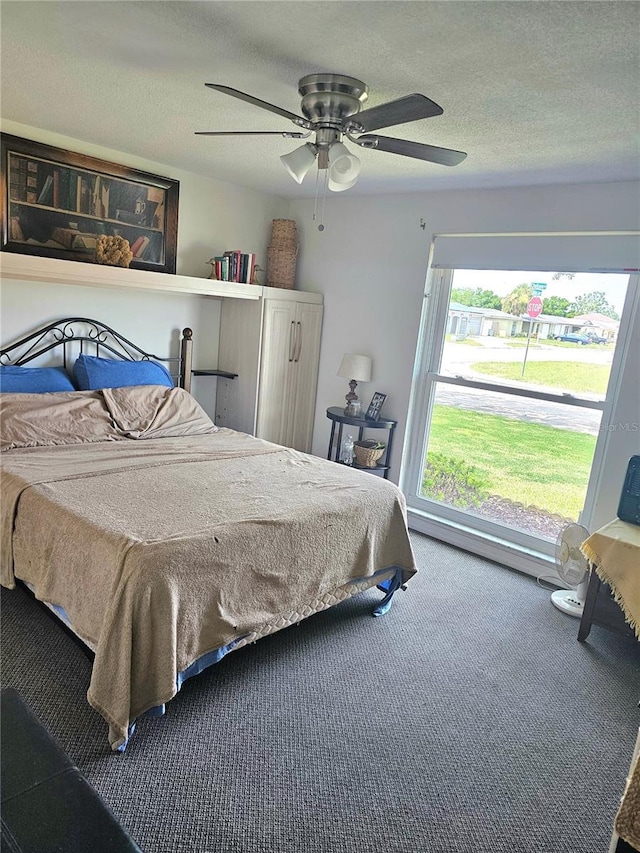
534 308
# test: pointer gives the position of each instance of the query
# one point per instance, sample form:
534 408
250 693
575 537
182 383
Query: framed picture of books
56 204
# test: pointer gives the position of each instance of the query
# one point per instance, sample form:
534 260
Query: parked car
574 339
597 339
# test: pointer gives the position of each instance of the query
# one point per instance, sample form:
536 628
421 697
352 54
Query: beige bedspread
163 550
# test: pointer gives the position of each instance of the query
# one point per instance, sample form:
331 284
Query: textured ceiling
535 92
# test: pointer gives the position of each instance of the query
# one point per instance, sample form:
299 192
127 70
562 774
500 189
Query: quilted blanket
163 550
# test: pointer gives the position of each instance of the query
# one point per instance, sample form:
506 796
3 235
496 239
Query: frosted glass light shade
355 366
344 167
338 188
298 162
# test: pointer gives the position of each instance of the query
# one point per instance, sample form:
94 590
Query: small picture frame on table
375 406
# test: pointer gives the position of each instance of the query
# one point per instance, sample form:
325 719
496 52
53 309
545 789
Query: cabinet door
275 392
305 375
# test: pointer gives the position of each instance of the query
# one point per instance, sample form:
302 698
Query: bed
162 541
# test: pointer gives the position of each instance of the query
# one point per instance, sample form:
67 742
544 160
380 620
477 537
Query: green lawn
533 464
570 375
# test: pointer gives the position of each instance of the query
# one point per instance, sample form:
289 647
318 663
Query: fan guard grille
571 563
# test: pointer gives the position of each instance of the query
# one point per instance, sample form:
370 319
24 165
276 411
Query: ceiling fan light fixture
298 162
339 187
344 167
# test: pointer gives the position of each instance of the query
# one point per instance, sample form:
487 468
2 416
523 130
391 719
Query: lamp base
351 396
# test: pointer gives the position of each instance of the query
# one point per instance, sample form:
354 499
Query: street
458 358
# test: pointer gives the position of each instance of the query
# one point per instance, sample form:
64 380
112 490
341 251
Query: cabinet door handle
298 341
292 339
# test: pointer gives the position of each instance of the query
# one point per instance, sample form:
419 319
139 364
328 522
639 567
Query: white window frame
518 549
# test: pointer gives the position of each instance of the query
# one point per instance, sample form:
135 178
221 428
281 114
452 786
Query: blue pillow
91 373
34 380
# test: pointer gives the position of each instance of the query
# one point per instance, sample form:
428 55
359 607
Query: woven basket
281 266
283 233
367 454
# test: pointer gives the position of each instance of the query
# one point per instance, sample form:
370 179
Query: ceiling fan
331 105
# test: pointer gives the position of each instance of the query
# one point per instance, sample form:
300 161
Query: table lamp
356 368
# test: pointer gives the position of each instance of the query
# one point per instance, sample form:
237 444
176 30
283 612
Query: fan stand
571 601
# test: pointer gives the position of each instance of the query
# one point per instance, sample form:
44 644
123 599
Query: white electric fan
573 568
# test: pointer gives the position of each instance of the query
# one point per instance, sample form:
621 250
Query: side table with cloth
614 554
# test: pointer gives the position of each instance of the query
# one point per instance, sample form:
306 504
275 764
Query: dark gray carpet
467 719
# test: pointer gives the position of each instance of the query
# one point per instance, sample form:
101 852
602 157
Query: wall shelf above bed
57 271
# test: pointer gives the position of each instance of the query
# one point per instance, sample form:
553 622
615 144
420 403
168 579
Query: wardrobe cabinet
274 347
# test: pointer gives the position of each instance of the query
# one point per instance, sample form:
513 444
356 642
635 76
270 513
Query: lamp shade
298 162
354 366
338 188
344 167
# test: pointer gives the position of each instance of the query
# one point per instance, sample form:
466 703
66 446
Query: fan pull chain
315 199
324 195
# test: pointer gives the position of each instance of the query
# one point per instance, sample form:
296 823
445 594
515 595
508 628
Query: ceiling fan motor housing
328 99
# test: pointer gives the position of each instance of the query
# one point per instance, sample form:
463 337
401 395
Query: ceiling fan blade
444 156
286 133
409 108
235 93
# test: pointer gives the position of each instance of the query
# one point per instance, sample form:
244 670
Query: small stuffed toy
114 251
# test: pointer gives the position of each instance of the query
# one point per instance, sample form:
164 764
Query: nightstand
338 420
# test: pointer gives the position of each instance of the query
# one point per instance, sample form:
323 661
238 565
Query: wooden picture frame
56 203
375 406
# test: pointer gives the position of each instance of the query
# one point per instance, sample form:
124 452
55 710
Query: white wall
152 321
370 263
213 216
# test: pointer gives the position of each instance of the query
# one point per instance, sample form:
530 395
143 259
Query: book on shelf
235 265
252 267
32 182
96 198
139 245
79 194
155 208
100 198
56 188
86 195
23 179
64 236
136 245
74 177
46 193
232 264
84 241
128 216
15 230
17 178
71 238
64 200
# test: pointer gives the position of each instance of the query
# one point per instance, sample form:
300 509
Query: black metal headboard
94 338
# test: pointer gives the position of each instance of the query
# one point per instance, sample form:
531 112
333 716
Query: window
508 406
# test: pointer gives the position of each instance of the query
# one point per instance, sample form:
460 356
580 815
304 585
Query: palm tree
516 302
